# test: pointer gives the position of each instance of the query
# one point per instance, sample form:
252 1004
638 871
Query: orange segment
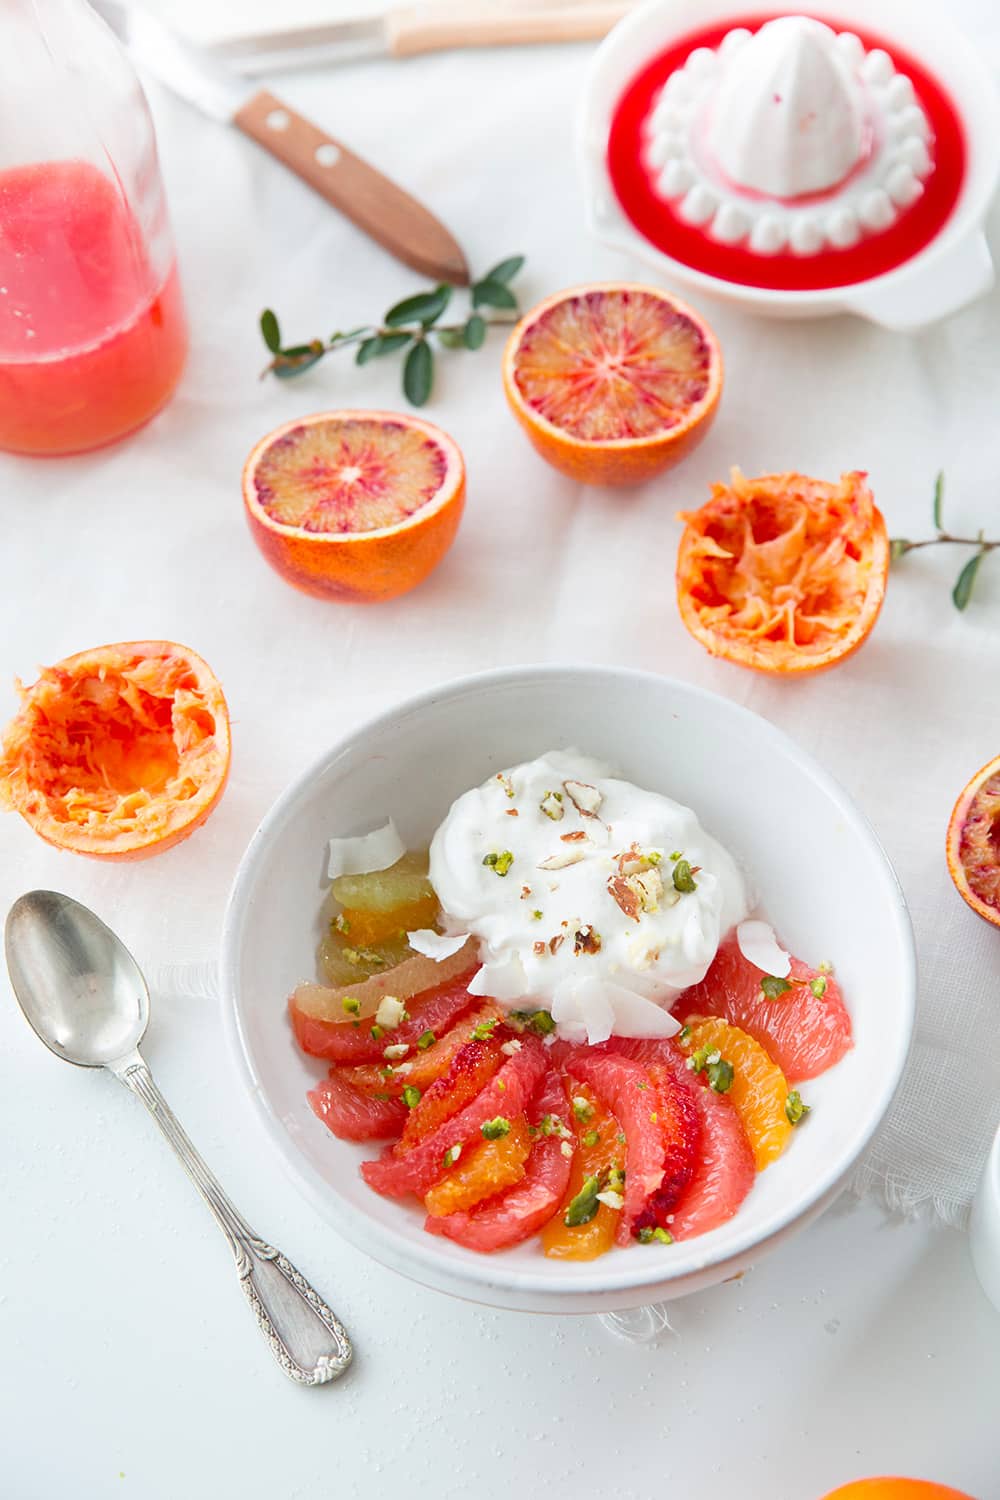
973 845
592 1159
613 382
355 505
118 752
482 1172
758 1091
783 573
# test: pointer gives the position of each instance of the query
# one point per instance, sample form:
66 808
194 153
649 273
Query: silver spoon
85 997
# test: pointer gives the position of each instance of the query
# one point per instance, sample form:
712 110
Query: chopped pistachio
591 1138
506 783
645 1234
616 1178
499 862
377 1033
720 1076
663 1236
551 806
772 986
654 856
485 1029
451 1155
341 924
795 1110
536 915
675 855
351 1004
425 1040
684 880
582 1108
492 1130
553 1125
684 1033
411 1096
818 986
648 1235
583 1207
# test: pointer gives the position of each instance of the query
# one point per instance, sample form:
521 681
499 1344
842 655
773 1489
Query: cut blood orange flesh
973 845
355 505
783 573
613 382
119 752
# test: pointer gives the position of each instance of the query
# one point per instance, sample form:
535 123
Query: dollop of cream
564 872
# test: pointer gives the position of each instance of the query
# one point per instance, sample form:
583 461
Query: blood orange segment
613 382
347 1042
680 1127
521 1211
354 505
600 1148
783 573
118 752
352 1115
973 846
467 1074
724 1167
759 1091
482 1172
655 1149
806 1029
422 1063
507 1093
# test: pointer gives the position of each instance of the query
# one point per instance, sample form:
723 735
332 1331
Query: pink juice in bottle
92 338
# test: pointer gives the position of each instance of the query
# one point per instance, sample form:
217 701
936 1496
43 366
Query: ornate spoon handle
306 1337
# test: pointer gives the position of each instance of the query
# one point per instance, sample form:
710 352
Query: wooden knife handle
440 24
376 205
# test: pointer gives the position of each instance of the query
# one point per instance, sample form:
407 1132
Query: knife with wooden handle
385 212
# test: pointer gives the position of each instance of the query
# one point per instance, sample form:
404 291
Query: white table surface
129 1364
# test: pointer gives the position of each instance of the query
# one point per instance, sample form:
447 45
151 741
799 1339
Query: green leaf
938 498
269 330
418 375
289 372
897 547
506 270
475 332
451 338
962 592
295 351
488 293
425 308
382 343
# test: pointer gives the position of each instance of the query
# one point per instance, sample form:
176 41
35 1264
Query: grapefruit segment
429 1009
507 1093
119 752
783 573
613 382
522 1210
354 505
973 846
353 1115
805 1030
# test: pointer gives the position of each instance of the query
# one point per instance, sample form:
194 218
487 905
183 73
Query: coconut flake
504 981
366 853
761 948
435 945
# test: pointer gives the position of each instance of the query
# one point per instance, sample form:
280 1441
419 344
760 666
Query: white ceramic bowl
819 870
952 270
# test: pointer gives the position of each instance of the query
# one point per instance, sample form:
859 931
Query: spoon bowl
79 987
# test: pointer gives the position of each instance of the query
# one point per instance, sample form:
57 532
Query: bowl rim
482 1277
612 226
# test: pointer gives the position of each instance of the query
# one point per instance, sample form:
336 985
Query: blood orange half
974 843
355 506
118 752
783 573
613 382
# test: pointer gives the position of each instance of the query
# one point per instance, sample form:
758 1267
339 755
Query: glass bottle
93 335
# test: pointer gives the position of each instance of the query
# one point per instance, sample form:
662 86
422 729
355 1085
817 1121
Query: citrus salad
563 1019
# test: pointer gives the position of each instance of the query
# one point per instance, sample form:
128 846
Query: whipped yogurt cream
592 898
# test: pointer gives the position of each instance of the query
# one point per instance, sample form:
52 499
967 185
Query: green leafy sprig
413 325
899 546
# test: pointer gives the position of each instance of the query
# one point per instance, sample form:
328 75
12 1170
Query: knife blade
385 212
432 26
